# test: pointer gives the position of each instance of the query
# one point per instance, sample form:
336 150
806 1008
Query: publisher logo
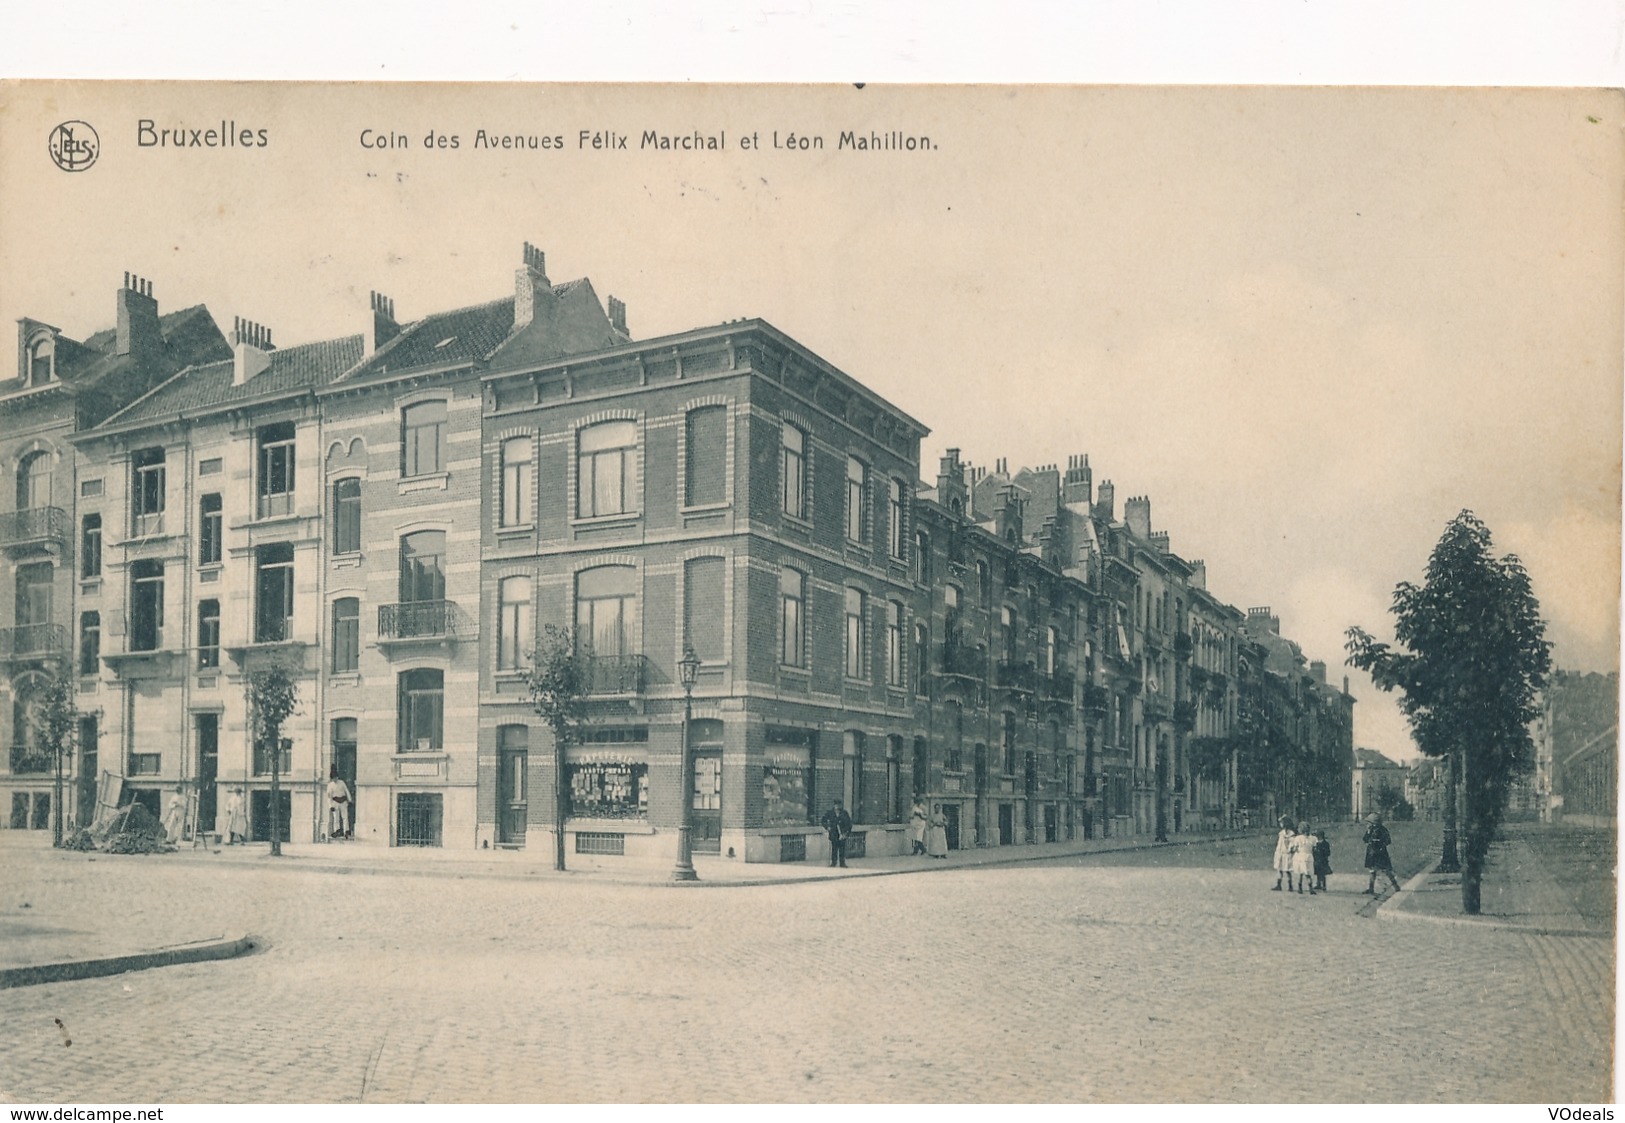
74 146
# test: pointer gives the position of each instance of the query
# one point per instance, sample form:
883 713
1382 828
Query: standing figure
175 816
1283 854
338 807
236 819
838 825
1323 860
1377 840
917 826
936 838
1303 858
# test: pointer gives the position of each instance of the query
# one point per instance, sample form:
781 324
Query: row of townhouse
398 513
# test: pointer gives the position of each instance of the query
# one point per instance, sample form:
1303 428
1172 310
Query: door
208 769
89 771
705 742
1052 826
344 737
951 813
980 766
513 805
1007 824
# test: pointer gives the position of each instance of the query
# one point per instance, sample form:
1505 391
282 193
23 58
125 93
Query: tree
1471 662
557 683
273 694
56 724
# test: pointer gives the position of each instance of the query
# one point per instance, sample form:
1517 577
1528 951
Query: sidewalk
36 947
1524 889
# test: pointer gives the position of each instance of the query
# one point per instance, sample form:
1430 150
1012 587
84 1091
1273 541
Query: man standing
838 825
338 807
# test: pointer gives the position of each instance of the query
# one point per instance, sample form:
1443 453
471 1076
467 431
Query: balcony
1185 715
1096 699
29 761
960 661
1057 686
434 620
1154 708
1020 677
1182 645
34 641
613 674
34 530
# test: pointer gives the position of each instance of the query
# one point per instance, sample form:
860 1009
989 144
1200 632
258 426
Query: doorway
705 742
89 771
1007 824
513 784
344 740
208 768
950 812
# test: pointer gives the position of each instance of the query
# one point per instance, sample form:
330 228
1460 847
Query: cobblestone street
1163 975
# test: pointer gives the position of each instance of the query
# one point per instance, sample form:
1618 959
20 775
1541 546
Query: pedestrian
175 816
1323 859
936 838
1303 858
1377 840
236 821
1283 854
918 824
338 806
838 825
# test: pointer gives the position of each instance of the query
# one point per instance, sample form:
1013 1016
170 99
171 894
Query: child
1303 857
1283 855
1323 859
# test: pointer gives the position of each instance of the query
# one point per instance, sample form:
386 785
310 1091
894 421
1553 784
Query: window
894 776
347 516
792 614
40 362
208 634
922 551
857 480
146 764
209 529
1009 743
420 709
34 481
1007 634
90 642
262 758
984 582
518 481
922 654
275 483
90 489
423 439
894 519
703 616
33 603
273 592
706 458
956 738
894 644
1052 641
852 773
607 612
855 604
146 605
606 454
147 490
422 610
516 634
346 635
793 462
210 467
90 546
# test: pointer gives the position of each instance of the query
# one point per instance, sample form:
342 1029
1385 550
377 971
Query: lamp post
687 668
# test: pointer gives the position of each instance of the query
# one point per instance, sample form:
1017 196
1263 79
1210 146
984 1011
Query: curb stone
199 952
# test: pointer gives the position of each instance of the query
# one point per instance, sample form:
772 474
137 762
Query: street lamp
687 668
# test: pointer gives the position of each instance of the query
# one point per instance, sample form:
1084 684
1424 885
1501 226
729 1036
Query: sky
1310 324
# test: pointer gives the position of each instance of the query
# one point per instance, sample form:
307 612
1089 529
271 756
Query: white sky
1310 324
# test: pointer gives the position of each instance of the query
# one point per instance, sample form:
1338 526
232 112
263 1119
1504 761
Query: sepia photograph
844 593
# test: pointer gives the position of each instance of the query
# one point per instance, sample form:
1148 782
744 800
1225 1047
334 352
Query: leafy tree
273 694
1471 662
557 683
56 723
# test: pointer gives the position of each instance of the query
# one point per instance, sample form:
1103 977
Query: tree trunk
276 794
56 803
1449 862
559 800
1472 879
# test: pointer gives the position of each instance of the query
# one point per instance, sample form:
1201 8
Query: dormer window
41 361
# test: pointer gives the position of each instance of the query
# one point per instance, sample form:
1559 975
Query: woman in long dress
236 819
1303 858
918 825
1283 854
936 838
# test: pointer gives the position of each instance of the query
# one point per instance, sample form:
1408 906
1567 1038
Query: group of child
1301 855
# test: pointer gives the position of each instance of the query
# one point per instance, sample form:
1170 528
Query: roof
93 360
292 369
463 335
1371 758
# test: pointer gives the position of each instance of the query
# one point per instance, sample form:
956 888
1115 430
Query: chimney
530 280
1075 486
1007 514
1106 502
1198 577
380 324
1260 620
617 316
1159 540
1345 684
251 349
1318 670
1137 514
138 333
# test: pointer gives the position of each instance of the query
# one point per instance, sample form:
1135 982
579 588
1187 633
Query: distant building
1377 782
1577 749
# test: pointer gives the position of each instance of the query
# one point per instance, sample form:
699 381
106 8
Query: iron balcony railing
29 761
33 640
614 674
1017 676
32 525
424 619
1058 685
964 661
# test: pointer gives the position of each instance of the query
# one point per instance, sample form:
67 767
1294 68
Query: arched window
516 632
518 481
792 617
34 481
41 362
606 455
347 516
793 463
607 611
423 439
